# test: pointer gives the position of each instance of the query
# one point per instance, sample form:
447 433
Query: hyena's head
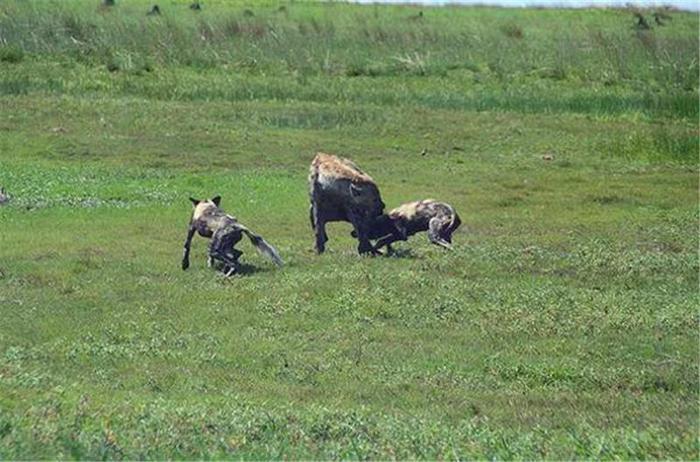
380 226
367 197
4 198
202 207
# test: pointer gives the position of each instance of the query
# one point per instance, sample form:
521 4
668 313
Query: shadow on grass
246 269
403 253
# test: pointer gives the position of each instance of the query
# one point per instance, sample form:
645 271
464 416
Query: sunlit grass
563 325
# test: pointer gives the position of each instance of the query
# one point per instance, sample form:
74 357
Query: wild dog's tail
263 246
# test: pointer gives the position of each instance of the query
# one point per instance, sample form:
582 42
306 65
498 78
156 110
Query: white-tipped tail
263 247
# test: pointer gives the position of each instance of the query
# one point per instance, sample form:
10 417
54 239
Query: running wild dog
340 191
438 218
225 232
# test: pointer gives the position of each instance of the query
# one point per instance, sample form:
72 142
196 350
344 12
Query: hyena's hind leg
435 227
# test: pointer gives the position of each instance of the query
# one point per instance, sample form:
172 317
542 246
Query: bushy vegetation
471 58
563 325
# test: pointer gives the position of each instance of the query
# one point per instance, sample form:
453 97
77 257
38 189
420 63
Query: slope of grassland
563 325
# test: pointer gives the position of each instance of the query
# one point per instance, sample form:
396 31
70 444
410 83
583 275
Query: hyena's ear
216 200
194 201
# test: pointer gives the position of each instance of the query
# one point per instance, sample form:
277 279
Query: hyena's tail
263 246
313 184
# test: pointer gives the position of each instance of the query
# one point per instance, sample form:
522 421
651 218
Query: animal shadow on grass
246 269
403 253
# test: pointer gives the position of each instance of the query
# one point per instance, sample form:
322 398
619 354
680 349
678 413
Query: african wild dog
438 218
4 198
340 191
225 231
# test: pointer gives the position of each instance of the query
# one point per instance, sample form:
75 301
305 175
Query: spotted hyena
210 221
340 191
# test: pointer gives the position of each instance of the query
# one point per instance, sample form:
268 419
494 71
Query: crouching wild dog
340 191
438 218
225 231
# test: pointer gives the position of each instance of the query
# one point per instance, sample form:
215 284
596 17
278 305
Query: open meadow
564 324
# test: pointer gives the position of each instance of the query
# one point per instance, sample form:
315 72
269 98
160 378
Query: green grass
563 325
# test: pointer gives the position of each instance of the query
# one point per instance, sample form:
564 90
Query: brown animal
340 191
438 218
225 232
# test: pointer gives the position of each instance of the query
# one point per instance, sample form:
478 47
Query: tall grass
339 39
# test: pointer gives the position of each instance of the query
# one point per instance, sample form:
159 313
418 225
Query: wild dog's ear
355 190
2 190
194 201
216 200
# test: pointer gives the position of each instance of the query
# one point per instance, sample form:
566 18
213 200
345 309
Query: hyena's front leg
361 230
186 250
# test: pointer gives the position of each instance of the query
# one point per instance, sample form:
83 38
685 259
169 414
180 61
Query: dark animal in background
248 13
641 22
108 2
154 11
438 218
4 198
660 17
340 191
416 17
196 6
225 232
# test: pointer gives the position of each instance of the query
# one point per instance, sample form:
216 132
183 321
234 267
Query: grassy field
563 325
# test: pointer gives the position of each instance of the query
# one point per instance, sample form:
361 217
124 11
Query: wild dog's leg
220 249
434 228
451 227
186 250
386 241
319 225
399 234
232 265
213 246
